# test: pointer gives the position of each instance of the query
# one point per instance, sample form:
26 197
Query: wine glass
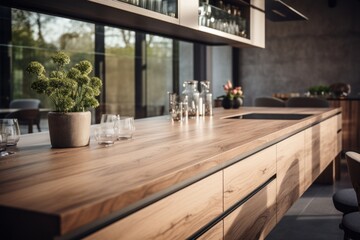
10 126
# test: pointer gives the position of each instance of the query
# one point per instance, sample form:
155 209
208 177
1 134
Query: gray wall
299 54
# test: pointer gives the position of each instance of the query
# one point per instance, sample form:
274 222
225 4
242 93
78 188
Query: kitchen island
207 178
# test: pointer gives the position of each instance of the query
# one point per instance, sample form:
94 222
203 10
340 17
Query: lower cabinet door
290 172
177 216
255 218
214 233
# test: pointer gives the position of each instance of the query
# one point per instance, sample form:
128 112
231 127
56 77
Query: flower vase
237 102
227 103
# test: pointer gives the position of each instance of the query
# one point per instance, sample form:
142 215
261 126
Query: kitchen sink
271 116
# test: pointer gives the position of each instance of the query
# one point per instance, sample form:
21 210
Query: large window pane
119 71
158 79
35 37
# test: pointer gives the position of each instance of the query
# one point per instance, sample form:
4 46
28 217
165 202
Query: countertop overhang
74 188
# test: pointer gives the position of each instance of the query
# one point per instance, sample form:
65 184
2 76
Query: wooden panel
290 172
328 142
350 123
215 233
257 24
255 218
312 155
174 217
239 181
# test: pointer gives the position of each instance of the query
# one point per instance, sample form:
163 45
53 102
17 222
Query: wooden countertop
73 187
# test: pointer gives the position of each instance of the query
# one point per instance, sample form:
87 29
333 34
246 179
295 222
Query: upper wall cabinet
239 23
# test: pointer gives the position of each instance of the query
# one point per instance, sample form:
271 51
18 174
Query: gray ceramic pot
69 129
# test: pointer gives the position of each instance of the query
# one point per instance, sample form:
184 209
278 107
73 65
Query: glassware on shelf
223 17
166 7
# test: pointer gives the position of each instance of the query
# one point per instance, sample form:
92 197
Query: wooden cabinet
239 181
290 172
255 218
186 24
214 233
328 141
174 217
350 123
312 154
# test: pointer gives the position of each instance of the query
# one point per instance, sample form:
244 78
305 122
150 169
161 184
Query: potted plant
72 92
233 97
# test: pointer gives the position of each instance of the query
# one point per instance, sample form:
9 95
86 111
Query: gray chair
345 200
269 102
27 117
312 102
351 221
28 113
27 103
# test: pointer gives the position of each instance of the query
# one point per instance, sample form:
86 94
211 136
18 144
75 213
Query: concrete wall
299 54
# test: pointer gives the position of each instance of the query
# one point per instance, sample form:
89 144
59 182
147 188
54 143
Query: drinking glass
3 143
109 118
172 101
10 126
125 128
177 113
105 135
106 132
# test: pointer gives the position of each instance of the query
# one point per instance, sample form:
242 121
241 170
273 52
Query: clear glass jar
205 99
190 97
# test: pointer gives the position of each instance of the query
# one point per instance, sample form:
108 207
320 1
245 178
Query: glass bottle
205 99
190 97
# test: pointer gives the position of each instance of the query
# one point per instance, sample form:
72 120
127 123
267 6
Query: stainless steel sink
271 116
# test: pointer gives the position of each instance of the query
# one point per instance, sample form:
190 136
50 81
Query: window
137 71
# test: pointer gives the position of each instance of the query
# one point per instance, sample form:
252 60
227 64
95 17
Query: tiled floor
313 216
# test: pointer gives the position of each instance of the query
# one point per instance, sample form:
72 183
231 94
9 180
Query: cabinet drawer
290 172
239 180
215 233
174 217
255 218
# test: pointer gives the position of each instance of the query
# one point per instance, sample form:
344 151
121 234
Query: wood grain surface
350 123
190 208
239 180
73 187
255 218
290 172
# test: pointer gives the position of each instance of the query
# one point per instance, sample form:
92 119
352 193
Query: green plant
319 90
69 90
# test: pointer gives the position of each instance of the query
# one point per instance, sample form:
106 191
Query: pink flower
232 92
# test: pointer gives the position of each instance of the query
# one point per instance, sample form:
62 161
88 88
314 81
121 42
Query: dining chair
313 102
269 102
351 221
28 113
27 117
345 200
26 103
